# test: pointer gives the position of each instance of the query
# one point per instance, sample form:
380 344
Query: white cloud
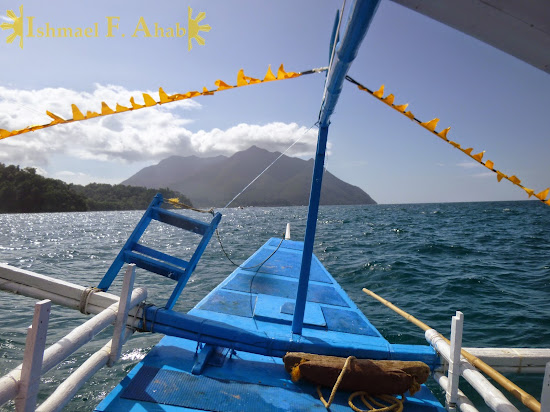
274 136
484 174
80 178
40 171
468 165
148 134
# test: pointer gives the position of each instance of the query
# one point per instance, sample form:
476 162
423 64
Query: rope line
431 125
394 403
149 101
249 267
176 202
345 368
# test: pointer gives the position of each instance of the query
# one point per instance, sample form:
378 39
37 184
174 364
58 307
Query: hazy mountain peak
213 181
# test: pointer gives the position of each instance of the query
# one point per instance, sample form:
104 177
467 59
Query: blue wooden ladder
158 262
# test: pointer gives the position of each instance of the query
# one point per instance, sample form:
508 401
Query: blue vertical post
361 15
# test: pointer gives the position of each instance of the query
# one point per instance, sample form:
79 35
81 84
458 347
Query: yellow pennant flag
542 195
149 101
389 99
164 98
443 133
77 114
269 76
56 118
91 115
106 109
379 93
134 104
479 156
500 175
222 85
205 92
489 164
120 108
252 80
281 74
514 180
431 125
241 79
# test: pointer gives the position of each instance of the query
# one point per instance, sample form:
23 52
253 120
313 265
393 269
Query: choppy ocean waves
489 260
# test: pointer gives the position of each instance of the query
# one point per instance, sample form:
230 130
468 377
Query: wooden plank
451 397
491 395
25 400
463 402
60 292
545 395
517 360
67 345
122 315
67 389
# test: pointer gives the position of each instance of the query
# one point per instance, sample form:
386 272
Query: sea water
489 260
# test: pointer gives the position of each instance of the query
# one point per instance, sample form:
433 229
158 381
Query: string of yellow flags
431 126
149 101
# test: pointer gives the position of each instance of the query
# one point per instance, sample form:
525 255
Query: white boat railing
21 384
509 359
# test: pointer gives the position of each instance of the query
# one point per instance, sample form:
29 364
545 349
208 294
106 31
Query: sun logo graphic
16 26
194 28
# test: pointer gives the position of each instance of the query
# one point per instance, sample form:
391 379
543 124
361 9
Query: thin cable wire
249 267
265 170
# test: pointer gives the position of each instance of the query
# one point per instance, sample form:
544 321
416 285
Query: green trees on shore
25 191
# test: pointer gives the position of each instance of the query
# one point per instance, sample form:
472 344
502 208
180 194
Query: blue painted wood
290 262
115 267
193 261
203 357
160 268
274 286
160 256
227 318
348 321
274 309
175 357
175 219
360 17
158 262
238 304
251 324
313 212
168 387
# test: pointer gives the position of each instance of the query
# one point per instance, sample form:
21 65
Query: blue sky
492 101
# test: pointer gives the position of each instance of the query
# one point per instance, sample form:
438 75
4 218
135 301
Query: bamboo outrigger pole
525 398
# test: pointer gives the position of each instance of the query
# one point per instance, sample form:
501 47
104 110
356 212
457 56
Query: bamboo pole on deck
525 398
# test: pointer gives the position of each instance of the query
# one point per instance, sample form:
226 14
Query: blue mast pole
361 15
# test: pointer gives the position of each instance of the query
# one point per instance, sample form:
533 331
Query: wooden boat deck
178 374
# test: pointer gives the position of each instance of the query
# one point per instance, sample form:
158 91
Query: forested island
25 191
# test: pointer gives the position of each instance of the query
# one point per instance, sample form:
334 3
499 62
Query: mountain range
214 181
